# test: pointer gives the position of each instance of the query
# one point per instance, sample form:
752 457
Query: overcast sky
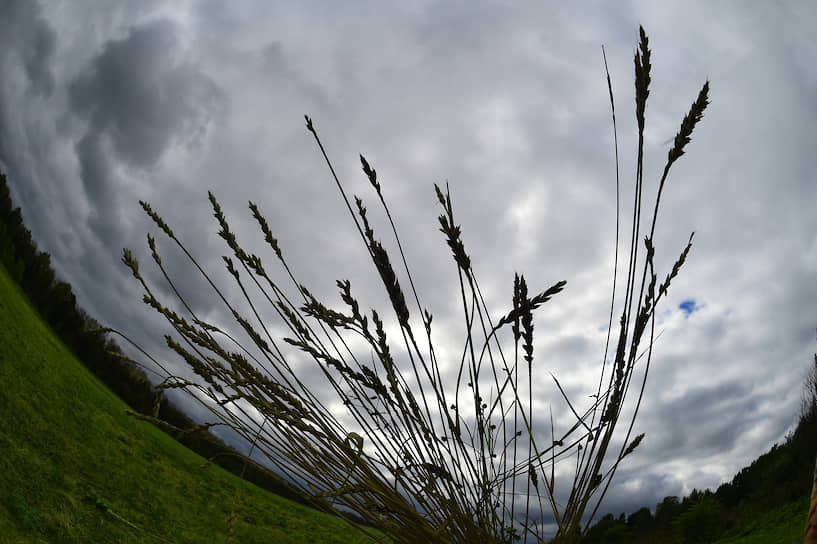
105 103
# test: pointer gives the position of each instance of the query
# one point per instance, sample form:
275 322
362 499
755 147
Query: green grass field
784 525
75 468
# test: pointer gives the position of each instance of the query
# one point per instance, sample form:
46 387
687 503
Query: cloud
138 99
24 33
27 44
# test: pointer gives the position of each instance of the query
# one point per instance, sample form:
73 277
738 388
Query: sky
106 103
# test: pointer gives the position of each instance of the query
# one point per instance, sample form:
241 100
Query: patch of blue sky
689 306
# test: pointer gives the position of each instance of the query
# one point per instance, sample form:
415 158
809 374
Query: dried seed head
696 112
642 78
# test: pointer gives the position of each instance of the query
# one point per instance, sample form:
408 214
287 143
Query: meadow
783 525
76 468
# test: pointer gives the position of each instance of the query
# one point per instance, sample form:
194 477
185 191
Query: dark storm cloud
707 408
138 99
28 46
25 34
26 52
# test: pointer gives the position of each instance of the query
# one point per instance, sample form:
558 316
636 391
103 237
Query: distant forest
778 477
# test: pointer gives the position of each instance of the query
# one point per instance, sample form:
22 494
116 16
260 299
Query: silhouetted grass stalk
439 460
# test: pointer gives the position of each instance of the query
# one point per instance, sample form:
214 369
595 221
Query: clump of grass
420 457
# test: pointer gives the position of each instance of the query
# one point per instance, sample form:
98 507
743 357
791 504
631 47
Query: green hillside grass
784 525
75 468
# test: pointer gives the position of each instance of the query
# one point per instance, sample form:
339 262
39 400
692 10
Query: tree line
778 477
56 303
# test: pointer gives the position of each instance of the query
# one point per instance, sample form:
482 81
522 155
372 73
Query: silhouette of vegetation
421 458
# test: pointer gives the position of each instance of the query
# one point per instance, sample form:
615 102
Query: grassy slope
75 468
782 526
